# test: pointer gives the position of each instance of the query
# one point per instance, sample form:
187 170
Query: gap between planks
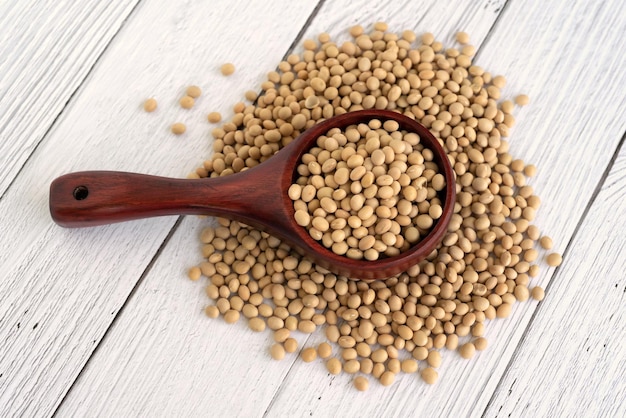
555 275
479 48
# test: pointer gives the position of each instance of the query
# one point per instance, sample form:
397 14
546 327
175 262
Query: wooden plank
139 369
48 48
140 373
163 347
572 360
545 50
62 288
443 18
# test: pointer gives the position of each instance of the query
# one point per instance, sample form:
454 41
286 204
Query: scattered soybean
214 117
150 105
193 91
187 102
227 69
361 383
178 128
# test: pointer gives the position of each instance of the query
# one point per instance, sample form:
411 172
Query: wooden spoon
256 197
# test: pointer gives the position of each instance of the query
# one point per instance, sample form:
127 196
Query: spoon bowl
256 196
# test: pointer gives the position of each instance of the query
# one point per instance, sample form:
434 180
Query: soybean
178 128
309 354
361 383
291 345
462 38
150 105
334 366
537 293
187 102
193 91
277 351
522 100
324 350
430 375
546 242
214 117
227 69
467 350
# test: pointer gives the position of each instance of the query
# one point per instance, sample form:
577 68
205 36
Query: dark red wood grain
257 197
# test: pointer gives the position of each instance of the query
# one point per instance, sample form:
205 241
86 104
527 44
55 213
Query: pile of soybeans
486 262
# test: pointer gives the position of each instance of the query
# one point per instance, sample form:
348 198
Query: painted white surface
72 283
47 49
572 359
161 356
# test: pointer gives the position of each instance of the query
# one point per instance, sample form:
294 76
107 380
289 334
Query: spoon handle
93 198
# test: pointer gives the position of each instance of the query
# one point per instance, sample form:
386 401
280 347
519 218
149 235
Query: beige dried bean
554 259
361 383
334 366
150 105
309 354
277 351
429 375
227 69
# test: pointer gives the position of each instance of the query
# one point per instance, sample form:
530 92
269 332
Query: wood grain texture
61 289
532 45
163 357
48 48
95 390
572 361
204 368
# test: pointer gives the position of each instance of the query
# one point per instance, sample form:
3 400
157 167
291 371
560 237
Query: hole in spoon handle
81 192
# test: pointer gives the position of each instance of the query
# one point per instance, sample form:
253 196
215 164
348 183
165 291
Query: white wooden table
104 322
